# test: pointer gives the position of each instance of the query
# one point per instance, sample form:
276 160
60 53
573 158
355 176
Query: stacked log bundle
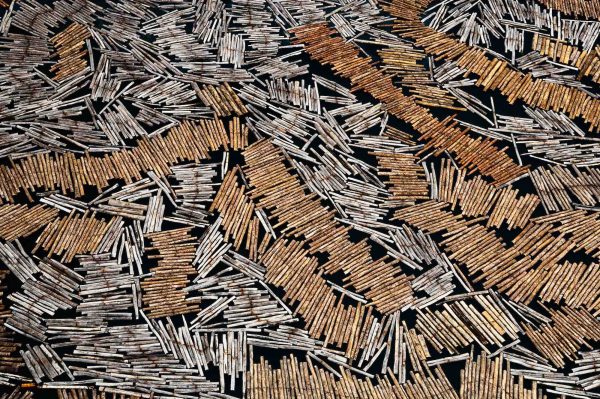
588 62
496 73
443 135
21 220
70 47
299 199
405 177
588 9
67 237
163 291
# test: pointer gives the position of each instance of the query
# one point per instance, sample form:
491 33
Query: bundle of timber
299 199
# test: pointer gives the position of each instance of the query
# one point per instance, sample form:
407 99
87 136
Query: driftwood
299 199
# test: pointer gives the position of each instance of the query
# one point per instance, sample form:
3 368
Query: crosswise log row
587 8
323 45
479 198
588 62
238 212
70 45
74 235
164 291
493 73
299 379
523 269
405 177
482 378
190 141
275 189
291 267
18 221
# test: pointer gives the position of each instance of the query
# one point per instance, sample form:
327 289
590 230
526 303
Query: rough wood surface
299 199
